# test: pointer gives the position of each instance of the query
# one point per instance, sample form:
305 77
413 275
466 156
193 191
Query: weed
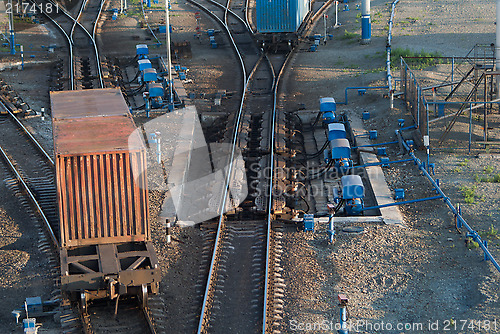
471 244
469 193
491 179
374 70
349 35
418 60
488 169
491 233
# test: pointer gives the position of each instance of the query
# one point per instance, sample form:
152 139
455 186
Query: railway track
238 294
83 70
244 289
33 168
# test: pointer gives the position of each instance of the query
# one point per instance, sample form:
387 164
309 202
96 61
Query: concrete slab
391 215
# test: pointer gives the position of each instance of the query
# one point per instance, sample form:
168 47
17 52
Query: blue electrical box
29 325
163 29
327 104
341 149
155 90
353 193
308 222
399 193
143 64
336 131
141 50
149 75
34 305
352 187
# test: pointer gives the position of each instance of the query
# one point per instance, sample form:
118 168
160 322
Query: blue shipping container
277 16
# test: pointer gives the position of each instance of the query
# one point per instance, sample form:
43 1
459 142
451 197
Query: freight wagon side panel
280 16
99 199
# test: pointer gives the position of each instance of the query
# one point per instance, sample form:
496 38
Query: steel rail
147 23
230 169
14 170
149 321
30 136
94 27
94 31
70 43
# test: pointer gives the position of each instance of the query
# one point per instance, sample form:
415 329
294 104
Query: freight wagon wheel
83 302
143 296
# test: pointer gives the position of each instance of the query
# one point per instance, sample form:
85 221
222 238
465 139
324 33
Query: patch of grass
471 244
427 59
488 169
349 35
491 233
469 193
489 179
375 70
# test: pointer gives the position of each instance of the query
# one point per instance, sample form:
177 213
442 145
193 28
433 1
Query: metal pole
158 146
169 56
497 47
336 14
470 126
366 25
168 231
452 71
11 30
324 19
343 320
22 57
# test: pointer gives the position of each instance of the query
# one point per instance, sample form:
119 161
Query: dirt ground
421 274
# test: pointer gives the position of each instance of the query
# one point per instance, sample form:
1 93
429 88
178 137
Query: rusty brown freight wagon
106 247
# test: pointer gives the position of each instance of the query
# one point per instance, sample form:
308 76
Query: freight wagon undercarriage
110 271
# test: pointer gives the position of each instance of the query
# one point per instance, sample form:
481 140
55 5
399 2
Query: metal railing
456 212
